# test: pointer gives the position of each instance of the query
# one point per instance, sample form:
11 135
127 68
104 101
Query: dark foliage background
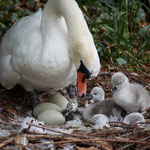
121 29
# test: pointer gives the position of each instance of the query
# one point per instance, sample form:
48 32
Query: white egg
58 99
43 107
52 117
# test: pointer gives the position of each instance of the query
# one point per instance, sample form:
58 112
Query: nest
14 104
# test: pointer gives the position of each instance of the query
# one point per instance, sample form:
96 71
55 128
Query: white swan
46 49
131 97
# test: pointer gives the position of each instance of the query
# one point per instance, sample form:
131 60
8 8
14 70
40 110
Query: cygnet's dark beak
89 97
114 90
66 113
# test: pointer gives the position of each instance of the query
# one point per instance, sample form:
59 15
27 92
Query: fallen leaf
106 144
90 148
21 139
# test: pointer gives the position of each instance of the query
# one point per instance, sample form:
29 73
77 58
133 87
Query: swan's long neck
78 33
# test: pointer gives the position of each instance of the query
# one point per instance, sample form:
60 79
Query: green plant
119 31
119 28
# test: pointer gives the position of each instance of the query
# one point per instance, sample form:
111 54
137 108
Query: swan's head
97 94
119 80
86 61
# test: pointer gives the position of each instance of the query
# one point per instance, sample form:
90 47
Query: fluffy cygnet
107 107
131 97
100 106
97 94
59 100
101 111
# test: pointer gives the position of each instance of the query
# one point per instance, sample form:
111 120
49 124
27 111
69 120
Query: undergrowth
120 29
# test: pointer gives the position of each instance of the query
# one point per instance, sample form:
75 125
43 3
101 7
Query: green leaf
121 61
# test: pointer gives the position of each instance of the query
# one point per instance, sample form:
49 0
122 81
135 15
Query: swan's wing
12 47
18 32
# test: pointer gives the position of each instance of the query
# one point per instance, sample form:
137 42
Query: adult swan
49 49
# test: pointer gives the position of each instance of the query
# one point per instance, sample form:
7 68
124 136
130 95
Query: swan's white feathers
36 51
28 64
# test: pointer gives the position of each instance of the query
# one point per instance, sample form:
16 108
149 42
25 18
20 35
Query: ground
14 103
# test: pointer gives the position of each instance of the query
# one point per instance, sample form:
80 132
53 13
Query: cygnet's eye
95 93
118 83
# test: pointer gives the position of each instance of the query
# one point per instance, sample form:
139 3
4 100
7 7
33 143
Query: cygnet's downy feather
131 97
101 112
96 111
107 107
97 94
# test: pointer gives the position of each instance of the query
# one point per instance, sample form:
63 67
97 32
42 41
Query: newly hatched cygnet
100 106
51 112
76 113
131 97
95 113
97 94
101 111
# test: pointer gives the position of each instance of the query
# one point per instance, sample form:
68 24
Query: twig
135 77
106 73
74 140
6 142
146 147
129 145
34 137
63 133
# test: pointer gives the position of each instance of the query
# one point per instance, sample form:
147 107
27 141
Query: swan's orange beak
81 84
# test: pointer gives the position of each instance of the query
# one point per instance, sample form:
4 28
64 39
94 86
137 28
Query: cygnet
97 94
131 97
107 107
101 106
101 111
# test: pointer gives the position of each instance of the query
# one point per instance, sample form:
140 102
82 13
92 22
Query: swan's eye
84 70
95 93
83 79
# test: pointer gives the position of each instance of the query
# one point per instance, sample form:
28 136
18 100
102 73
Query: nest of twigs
14 103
